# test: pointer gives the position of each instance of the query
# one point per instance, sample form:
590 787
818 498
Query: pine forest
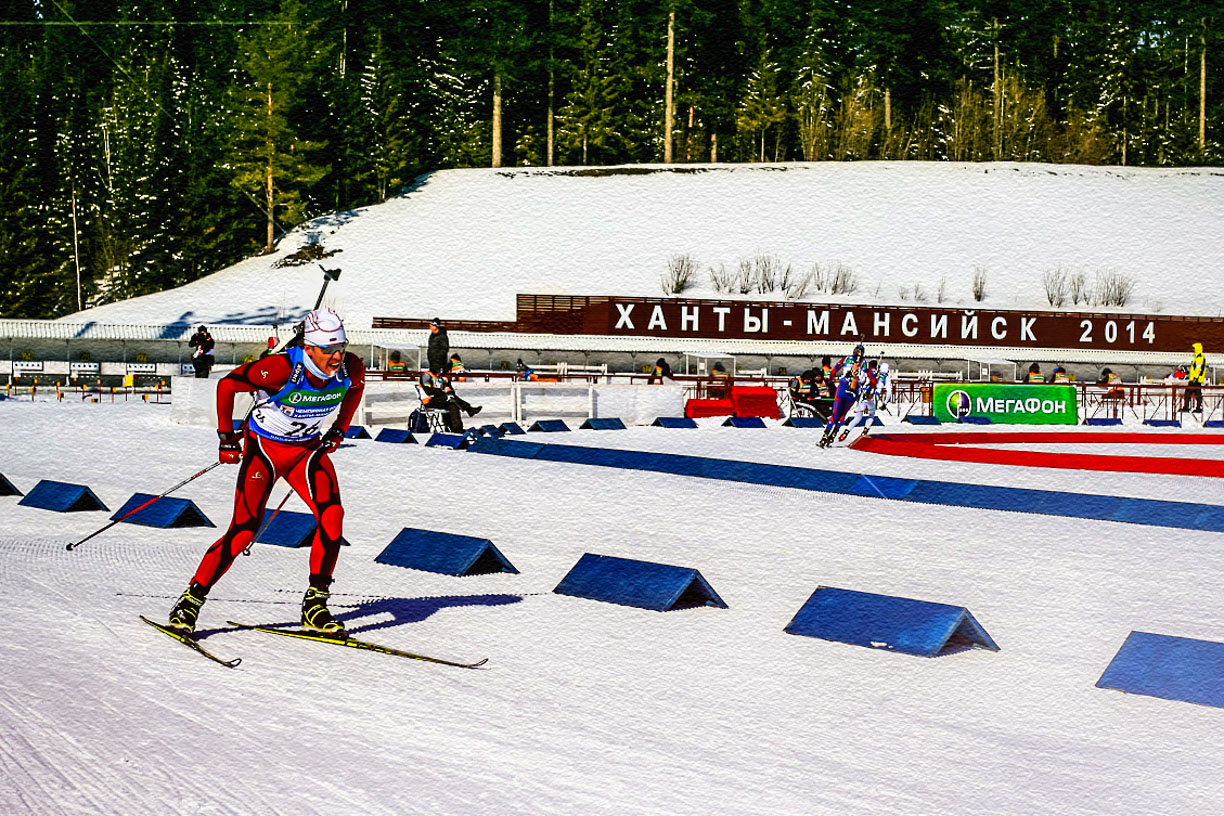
148 143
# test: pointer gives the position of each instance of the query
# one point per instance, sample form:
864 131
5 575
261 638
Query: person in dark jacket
202 357
661 374
439 393
439 346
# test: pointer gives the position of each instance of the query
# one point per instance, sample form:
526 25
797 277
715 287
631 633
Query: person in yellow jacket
1195 379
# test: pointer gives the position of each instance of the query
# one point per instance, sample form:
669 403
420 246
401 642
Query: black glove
331 440
230 450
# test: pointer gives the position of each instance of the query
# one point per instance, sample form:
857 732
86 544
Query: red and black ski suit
306 468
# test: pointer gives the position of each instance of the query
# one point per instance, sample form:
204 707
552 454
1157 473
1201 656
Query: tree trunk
997 90
887 112
497 118
270 188
1203 89
669 90
552 71
713 147
688 136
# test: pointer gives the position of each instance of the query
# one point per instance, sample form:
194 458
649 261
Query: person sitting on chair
1113 382
803 387
457 368
395 365
439 393
522 373
661 374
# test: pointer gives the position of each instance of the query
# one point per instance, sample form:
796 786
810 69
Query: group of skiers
846 394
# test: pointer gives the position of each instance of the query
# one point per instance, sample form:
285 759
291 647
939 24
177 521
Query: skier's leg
256 475
315 481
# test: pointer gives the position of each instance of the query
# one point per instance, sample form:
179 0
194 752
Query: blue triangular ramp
62 497
1102 421
356 432
744 422
491 430
804 422
7 488
675 422
1163 423
1172 668
918 419
165 513
549 426
603 424
643 584
397 435
444 553
510 428
886 622
507 447
447 440
290 529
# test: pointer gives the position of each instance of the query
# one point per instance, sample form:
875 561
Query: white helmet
883 368
323 328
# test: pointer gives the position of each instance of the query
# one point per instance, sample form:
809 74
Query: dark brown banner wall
919 325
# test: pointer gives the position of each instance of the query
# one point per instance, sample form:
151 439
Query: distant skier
876 391
288 436
848 374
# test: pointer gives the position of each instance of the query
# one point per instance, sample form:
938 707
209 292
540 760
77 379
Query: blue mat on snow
888 622
445 553
165 513
1172 668
644 584
62 497
1150 512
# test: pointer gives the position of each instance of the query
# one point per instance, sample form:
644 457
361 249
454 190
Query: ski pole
193 477
267 523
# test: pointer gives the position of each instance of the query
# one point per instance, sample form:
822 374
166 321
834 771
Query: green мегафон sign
1006 404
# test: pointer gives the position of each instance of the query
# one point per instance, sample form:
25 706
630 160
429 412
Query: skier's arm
269 374
352 397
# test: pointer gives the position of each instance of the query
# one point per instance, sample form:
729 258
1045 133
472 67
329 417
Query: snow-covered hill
462 243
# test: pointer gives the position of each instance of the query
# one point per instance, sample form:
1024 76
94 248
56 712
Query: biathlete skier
876 391
848 376
298 391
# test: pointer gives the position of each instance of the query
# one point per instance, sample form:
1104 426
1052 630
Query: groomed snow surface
587 707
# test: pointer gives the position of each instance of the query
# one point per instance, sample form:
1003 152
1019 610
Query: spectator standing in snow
202 357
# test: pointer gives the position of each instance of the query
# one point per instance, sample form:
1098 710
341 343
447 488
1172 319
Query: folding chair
435 418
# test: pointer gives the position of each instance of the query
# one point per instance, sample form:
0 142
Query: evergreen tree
269 162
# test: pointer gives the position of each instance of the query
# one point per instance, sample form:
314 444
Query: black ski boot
183 615
316 617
